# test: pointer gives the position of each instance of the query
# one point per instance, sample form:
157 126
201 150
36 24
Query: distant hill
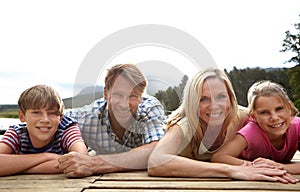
8 107
84 97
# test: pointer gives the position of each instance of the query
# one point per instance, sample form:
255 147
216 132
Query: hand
261 161
262 173
286 178
76 165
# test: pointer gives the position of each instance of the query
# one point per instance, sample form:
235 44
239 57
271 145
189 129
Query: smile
44 128
277 125
123 110
215 114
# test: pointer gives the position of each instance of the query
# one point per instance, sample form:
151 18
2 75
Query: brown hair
40 96
129 71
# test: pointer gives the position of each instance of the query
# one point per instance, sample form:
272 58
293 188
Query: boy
35 146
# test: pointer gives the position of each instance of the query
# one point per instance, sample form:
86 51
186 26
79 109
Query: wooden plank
44 184
143 176
170 190
209 185
45 177
44 190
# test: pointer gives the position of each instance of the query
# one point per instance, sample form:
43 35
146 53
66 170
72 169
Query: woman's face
214 103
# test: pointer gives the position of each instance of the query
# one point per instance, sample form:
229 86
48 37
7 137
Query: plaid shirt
97 132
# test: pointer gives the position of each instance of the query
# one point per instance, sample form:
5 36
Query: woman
207 118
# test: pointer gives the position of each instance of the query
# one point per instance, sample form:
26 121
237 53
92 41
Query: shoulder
243 111
99 103
17 128
149 101
67 122
150 104
251 129
185 127
295 122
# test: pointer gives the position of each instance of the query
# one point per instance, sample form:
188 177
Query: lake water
6 122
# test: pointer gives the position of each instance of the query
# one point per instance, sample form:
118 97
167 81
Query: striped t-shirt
67 134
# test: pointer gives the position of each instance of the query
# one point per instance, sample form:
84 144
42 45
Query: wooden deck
135 181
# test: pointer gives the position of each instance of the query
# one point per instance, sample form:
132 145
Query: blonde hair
129 71
191 101
268 88
40 96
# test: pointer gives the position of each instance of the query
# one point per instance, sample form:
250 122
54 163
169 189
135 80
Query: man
123 127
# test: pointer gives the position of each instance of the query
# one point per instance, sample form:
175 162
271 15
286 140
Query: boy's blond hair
40 96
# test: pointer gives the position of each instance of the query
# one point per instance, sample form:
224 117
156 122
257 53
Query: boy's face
41 125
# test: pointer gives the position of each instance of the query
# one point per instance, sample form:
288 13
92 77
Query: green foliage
9 114
242 79
292 43
9 111
294 81
171 98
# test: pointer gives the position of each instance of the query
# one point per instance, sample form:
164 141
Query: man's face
123 99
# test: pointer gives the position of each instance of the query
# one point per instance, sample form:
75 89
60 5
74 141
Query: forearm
227 159
12 164
135 159
292 168
45 167
177 166
132 160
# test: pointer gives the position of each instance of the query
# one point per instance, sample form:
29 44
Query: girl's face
214 103
272 115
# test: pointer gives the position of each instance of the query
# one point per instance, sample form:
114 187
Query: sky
51 42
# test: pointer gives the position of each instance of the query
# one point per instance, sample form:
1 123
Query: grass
9 114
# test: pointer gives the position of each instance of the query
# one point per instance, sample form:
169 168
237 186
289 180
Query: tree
294 74
171 97
292 43
242 79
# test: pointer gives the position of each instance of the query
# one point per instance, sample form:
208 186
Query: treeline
241 80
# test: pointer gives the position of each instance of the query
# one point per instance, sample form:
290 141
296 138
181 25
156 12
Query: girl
272 134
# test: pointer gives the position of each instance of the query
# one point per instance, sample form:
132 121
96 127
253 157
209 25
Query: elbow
154 171
214 158
156 167
152 168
